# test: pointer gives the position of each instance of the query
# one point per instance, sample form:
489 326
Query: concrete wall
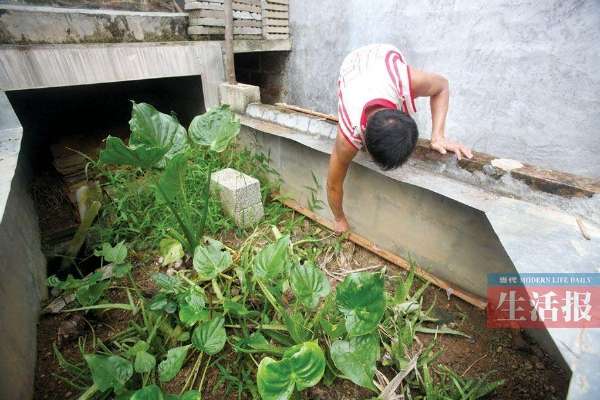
22 283
27 25
447 238
523 74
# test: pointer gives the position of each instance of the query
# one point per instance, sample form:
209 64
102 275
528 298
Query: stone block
238 96
249 216
240 196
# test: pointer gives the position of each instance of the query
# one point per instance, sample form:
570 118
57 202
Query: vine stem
89 393
194 373
203 375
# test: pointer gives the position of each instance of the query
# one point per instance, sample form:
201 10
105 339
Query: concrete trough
458 225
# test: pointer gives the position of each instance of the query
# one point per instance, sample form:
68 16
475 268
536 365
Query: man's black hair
391 137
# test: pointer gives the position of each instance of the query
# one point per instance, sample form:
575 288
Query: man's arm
436 88
341 157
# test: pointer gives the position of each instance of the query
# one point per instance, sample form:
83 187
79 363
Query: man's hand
444 145
341 226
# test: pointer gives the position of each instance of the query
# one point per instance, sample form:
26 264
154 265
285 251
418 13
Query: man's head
391 137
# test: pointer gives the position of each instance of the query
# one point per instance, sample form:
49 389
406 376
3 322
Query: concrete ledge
40 66
459 225
54 25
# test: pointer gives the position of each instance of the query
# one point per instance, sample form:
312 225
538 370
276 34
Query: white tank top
372 75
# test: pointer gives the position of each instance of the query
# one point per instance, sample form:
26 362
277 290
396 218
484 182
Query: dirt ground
528 372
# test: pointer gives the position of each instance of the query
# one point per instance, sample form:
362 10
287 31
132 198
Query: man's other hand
444 145
341 226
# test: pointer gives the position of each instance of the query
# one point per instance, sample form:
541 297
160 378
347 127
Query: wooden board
276 29
276 22
393 258
203 5
276 14
217 30
275 7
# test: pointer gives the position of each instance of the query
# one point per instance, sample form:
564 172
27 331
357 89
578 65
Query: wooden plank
204 5
239 15
286 2
275 7
247 15
276 36
393 258
220 30
251 2
207 14
247 22
276 22
206 22
309 112
276 29
246 7
276 14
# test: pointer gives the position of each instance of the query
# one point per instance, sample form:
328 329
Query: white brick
249 216
239 194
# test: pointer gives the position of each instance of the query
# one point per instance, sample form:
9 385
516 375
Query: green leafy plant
356 358
361 299
158 139
301 367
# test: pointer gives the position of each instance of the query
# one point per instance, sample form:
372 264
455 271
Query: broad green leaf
334 331
144 362
361 298
295 323
301 367
210 337
215 128
210 260
152 128
89 295
111 254
120 270
151 392
191 308
140 345
171 251
357 358
309 284
170 366
235 308
272 260
172 181
109 372
141 155
189 395
162 302
165 282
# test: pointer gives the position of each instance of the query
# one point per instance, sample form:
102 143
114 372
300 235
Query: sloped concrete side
445 237
22 279
459 229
